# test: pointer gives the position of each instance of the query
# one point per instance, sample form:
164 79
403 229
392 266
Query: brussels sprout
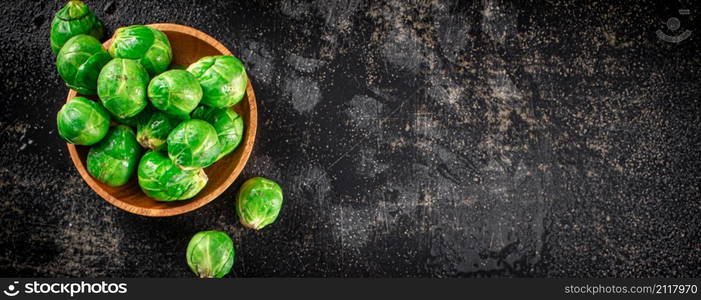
223 80
122 87
210 254
153 129
227 123
73 19
79 63
176 92
258 202
162 180
113 160
82 121
147 45
193 144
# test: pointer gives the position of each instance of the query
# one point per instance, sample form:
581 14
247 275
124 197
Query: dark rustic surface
411 139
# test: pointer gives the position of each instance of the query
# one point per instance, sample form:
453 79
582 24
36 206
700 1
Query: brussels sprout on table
122 87
79 63
258 202
153 129
176 92
113 160
223 80
210 254
73 19
193 144
227 123
162 180
147 45
82 121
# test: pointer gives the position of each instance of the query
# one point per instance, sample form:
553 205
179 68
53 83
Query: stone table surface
412 139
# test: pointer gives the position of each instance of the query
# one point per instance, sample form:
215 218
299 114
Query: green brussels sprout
82 121
114 159
210 254
122 87
227 123
73 19
193 144
162 180
223 80
258 202
153 129
176 92
79 63
147 45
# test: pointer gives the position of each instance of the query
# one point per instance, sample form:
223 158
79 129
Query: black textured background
411 138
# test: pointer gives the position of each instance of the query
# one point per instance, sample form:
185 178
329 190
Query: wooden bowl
188 46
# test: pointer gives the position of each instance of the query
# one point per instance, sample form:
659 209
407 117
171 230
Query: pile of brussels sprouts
163 125
171 123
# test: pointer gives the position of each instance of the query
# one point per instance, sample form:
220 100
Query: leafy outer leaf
82 121
176 92
114 159
210 254
73 19
193 144
223 80
162 180
258 202
122 87
147 45
227 123
79 63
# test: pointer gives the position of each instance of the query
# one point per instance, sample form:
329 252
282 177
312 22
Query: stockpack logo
65 288
12 290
